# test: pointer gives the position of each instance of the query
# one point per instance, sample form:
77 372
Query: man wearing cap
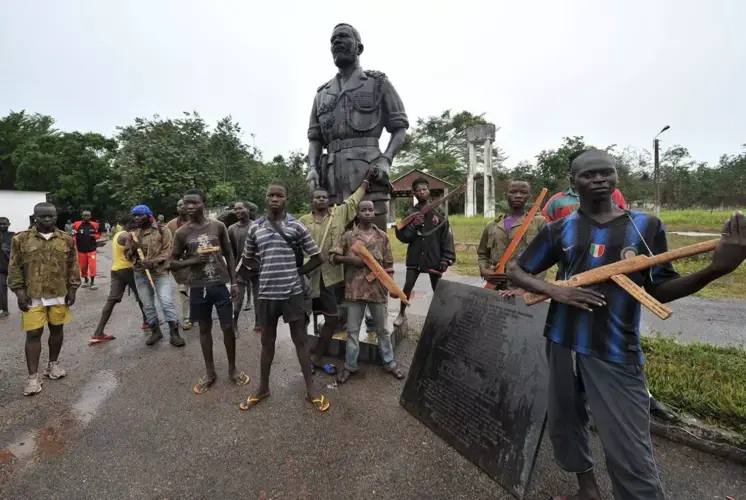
155 244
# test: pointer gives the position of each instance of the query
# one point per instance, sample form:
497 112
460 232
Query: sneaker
187 325
94 287
33 385
54 371
4 314
84 285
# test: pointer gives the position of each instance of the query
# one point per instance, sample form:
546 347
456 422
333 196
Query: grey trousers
618 398
3 292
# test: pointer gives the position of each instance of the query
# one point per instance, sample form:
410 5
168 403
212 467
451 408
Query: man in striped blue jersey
593 333
275 246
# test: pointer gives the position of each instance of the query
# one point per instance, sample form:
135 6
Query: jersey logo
597 250
629 252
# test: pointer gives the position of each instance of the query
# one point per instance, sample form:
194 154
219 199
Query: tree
72 167
437 144
17 129
553 165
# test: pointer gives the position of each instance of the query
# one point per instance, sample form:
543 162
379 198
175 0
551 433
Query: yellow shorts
38 316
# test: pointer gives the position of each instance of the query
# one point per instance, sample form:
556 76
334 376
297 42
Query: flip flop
320 404
202 385
241 379
101 340
252 401
328 368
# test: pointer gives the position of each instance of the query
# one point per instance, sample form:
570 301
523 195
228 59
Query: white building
18 207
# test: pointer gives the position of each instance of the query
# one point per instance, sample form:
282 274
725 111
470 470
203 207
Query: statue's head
346 45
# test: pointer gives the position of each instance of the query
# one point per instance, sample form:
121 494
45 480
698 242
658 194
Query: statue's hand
312 179
381 166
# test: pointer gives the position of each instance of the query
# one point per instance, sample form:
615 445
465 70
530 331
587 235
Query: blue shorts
201 301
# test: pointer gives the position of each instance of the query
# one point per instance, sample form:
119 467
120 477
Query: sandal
252 401
241 379
101 340
328 368
202 385
320 404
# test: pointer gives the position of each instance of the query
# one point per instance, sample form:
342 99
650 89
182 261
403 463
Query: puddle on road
52 439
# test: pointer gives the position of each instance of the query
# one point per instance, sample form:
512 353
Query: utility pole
656 169
656 172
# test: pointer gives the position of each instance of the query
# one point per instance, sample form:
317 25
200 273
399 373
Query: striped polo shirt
278 273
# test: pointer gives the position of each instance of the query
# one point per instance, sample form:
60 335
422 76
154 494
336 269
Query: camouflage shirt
43 268
357 287
156 246
495 241
336 220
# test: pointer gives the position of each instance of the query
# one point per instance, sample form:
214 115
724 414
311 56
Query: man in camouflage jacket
44 274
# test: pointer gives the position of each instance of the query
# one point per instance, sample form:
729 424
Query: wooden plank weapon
500 269
642 296
387 281
626 266
142 258
433 204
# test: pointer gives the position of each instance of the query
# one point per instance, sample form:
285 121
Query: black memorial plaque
479 379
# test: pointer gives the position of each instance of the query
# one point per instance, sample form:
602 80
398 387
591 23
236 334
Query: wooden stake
387 281
142 258
626 266
500 269
642 296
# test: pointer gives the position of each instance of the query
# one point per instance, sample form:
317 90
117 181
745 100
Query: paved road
124 424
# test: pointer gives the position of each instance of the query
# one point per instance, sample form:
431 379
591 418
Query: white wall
18 206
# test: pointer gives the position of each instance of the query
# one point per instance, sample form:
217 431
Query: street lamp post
656 172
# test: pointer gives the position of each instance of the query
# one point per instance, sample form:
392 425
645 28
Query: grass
468 231
705 381
702 220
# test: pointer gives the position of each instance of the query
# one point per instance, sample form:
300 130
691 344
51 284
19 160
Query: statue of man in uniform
348 116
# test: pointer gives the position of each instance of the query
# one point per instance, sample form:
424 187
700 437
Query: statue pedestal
368 341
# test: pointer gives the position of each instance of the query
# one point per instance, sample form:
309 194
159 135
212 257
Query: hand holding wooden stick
142 258
387 281
627 266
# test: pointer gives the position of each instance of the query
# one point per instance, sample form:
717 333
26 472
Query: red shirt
566 202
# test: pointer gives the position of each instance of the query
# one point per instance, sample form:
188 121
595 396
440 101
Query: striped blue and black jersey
578 243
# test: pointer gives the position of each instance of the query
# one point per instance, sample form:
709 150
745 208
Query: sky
614 71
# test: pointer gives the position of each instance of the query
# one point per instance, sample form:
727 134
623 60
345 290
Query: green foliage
159 159
437 144
17 129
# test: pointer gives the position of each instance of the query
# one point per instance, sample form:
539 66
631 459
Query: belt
356 142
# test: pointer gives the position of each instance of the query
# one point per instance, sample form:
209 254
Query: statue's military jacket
348 120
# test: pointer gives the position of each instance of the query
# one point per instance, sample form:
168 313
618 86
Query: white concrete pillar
470 208
489 198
